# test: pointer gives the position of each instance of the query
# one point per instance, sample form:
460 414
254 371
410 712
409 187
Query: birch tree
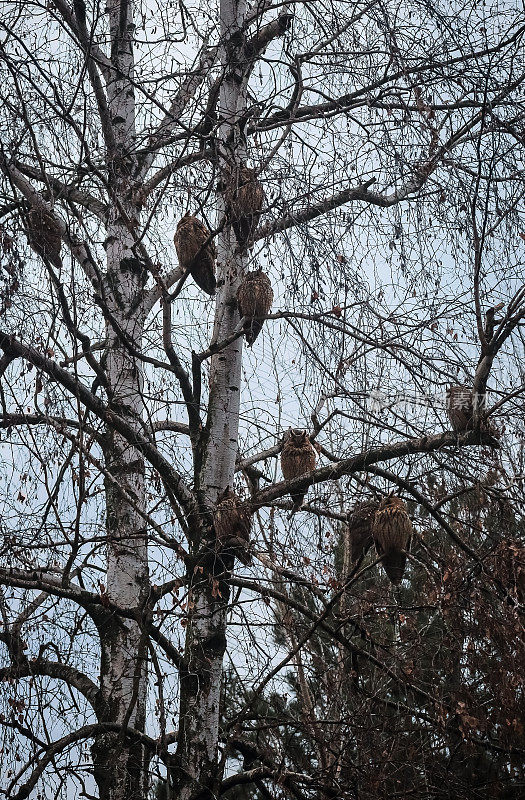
386 138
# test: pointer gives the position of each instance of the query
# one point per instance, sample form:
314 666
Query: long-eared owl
196 252
297 458
244 201
254 298
459 407
43 235
232 521
359 527
391 531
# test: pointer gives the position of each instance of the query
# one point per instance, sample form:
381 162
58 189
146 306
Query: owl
459 407
244 202
254 298
391 531
233 522
508 566
359 528
297 458
43 235
195 253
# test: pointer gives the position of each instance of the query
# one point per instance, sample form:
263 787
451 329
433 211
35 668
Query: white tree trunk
225 372
206 634
120 770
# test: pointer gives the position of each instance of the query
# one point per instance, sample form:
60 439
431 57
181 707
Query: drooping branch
192 404
75 18
319 621
87 732
78 248
95 61
168 169
253 48
185 94
173 481
363 96
421 173
63 190
129 498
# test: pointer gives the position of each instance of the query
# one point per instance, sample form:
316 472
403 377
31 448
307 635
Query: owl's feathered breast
231 519
297 460
250 198
191 239
460 408
392 528
196 252
255 295
43 234
247 198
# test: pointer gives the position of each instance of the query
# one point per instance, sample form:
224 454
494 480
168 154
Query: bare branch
173 480
425 444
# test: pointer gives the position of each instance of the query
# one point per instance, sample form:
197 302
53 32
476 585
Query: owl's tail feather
244 556
298 499
240 549
50 256
244 228
394 564
252 330
55 260
205 279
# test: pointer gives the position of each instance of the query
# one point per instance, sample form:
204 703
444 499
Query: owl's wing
379 549
201 231
213 249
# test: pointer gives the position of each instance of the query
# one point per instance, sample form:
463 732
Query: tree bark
206 632
120 769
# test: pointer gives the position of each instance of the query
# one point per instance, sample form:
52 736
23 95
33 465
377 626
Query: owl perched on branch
359 528
460 409
43 235
508 565
391 531
244 201
233 523
297 458
196 252
254 298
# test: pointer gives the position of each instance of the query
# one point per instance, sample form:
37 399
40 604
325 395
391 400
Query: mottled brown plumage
391 531
459 407
460 411
254 298
43 235
233 522
297 458
359 528
195 252
508 566
244 201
